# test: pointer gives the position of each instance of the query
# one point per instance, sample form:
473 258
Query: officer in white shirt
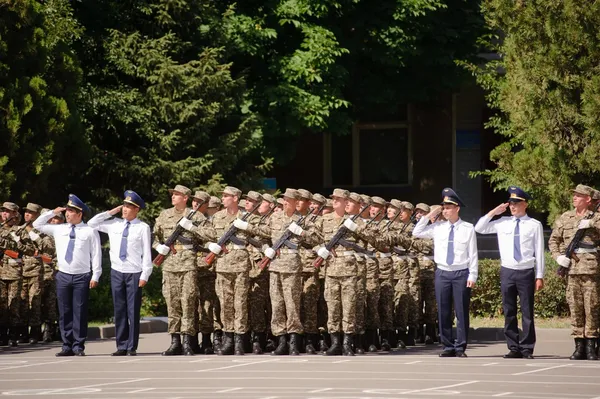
455 253
521 243
77 250
131 266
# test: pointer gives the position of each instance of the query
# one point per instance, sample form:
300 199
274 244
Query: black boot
400 338
194 344
49 332
336 346
295 344
323 347
397 341
282 348
23 337
239 344
579 353
429 334
372 338
420 335
3 335
260 339
247 342
348 343
207 346
359 347
226 348
34 335
175 348
311 339
385 343
188 343
13 336
217 340
410 337
590 349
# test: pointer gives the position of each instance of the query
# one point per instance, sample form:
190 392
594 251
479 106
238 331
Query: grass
554 322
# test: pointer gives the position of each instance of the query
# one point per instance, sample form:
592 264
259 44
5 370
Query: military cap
596 195
201 196
318 198
269 197
365 199
329 204
76 203
280 201
131 197
423 207
516 194
181 189
31 207
583 189
291 193
253 196
408 205
304 194
236 192
449 196
242 203
354 197
340 193
378 201
396 203
10 206
214 202
434 208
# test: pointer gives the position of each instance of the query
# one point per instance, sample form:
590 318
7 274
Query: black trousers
451 288
127 301
72 292
519 283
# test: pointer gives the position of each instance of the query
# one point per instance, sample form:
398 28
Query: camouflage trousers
10 302
258 303
322 307
582 297
49 304
402 304
309 306
286 292
340 294
233 290
429 314
361 297
209 318
31 301
415 308
372 304
180 290
386 304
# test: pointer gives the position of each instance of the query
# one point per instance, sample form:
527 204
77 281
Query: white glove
350 225
163 249
240 224
15 237
585 224
34 236
563 261
270 253
214 248
186 224
323 253
294 228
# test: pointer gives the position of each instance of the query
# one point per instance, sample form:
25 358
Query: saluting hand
499 210
59 210
116 210
142 283
433 214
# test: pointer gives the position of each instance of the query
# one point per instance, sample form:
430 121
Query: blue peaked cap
76 203
131 197
449 196
516 194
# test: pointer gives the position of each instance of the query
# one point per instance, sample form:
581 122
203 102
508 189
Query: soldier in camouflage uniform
214 206
233 267
372 285
581 270
323 338
414 282
180 270
49 304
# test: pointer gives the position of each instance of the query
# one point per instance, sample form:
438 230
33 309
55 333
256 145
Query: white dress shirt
531 237
86 252
139 254
465 244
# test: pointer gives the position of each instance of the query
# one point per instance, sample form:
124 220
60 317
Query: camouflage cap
253 196
201 196
236 192
378 201
434 208
10 206
181 189
408 205
354 197
396 203
340 193
318 198
242 203
269 197
291 193
279 201
365 199
423 207
214 202
329 204
596 195
61 216
35 208
583 189
304 194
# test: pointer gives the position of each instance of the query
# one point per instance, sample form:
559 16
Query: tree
546 89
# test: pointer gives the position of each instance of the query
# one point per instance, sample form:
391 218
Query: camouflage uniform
31 292
424 248
49 312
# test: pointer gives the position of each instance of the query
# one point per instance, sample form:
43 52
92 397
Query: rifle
210 258
253 241
159 259
285 237
575 241
336 238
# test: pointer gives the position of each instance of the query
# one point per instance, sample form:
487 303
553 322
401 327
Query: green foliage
546 87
